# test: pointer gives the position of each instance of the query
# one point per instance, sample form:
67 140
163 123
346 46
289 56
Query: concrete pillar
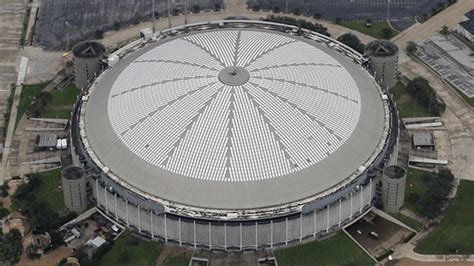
166 229
327 218
194 233
241 247
151 224
210 236
286 231
115 204
314 223
370 189
179 230
139 225
271 233
351 207
301 227
126 212
106 201
225 236
340 212
256 235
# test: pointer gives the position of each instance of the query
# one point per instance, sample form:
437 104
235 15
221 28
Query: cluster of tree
38 105
4 190
3 211
195 9
316 27
10 247
40 215
426 96
352 41
411 47
438 8
438 186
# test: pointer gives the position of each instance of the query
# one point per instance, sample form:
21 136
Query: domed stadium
235 135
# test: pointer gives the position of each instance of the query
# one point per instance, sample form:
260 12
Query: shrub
352 41
413 198
411 47
387 33
426 96
195 9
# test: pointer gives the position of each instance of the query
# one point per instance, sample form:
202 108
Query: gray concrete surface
234 8
449 17
12 13
451 59
65 22
458 120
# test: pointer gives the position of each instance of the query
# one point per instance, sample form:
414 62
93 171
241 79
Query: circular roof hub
234 76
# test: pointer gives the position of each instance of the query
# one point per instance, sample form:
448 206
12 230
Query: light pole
153 14
388 9
185 13
67 35
169 15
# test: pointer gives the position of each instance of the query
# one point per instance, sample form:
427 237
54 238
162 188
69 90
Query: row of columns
315 220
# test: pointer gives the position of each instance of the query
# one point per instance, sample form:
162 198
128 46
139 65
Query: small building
96 242
45 142
91 246
466 27
146 34
423 140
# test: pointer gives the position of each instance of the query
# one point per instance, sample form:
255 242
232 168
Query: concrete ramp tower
394 180
383 57
87 57
74 184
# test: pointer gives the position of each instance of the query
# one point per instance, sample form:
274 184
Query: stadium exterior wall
312 219
234 235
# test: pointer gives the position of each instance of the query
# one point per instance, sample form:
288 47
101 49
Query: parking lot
451 59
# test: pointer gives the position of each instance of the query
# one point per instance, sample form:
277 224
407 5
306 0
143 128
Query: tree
10 246
3 211
256 7
338 20
99 34
217 7
387 33
317 15
276 9
426 96
438 186
195 9
411 47
352 41
444 30
299 23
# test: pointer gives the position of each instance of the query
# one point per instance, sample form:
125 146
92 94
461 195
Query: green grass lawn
62 103
406 105
415 185
28 94
49 191
127 251
415 225
456 231
177 260
338 250
375 31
